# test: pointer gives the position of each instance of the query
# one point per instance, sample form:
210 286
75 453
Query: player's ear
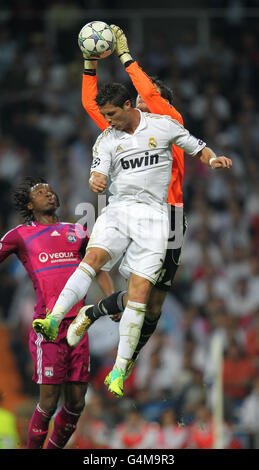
30 206
127 105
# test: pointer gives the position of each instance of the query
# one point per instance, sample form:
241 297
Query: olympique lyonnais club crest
72 238
49 371
152 143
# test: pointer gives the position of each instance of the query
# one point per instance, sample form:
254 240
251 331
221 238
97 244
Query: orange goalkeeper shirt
156 105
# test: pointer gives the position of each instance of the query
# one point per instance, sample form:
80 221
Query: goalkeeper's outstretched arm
89 92
141 81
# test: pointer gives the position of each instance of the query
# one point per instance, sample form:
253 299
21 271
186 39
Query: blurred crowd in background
45 131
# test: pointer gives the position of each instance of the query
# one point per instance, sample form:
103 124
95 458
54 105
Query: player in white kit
135 153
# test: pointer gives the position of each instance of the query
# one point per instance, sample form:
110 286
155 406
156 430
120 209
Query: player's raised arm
141 81
89 92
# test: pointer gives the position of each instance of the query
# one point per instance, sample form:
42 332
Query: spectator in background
171 434
9 47
183 381
210 100
236 232
29 136
221 55
254 227
243 298
252 338
159 365
199 244
134 432
249 410
187 51
194 394
67 16
239 372
157 58
151 406
56 122
202 432
13 159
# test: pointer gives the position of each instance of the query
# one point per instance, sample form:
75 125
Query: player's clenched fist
221 162
97 182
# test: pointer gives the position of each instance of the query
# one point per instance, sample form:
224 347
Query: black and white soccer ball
96 40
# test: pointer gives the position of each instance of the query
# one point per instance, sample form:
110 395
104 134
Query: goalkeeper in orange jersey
155 97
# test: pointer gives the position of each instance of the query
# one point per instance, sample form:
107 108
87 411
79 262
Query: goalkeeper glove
122 48
90 65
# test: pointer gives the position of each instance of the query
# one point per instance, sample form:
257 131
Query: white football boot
78 327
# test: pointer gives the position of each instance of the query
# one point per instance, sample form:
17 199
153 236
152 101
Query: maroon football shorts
57 362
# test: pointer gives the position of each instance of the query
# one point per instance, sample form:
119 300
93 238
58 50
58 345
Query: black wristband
90 72
128 63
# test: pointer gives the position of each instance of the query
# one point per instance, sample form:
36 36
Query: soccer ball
96 40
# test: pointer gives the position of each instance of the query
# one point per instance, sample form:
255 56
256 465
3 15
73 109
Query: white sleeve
102 156
182 138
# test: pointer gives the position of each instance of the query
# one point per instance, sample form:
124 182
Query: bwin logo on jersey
138 162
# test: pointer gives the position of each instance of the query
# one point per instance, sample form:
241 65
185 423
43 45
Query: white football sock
130 328
75 290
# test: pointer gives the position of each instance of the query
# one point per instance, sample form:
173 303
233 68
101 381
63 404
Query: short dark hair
165 91
21 197
114 93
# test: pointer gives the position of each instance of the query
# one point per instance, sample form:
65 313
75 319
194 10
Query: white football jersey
139 164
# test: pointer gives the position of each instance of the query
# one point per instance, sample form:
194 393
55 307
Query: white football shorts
135 231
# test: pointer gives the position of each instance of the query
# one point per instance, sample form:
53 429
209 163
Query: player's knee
75 406
49 396
153 313
155 302
139 289
49 405
96 258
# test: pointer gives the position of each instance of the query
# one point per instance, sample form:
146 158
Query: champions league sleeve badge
96 162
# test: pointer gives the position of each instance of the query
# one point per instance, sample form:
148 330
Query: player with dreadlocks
50 251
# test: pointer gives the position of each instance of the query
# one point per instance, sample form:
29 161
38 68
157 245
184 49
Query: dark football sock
147 330
64 425
108 306
38 428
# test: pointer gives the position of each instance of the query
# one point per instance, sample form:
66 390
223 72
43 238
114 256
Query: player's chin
51 207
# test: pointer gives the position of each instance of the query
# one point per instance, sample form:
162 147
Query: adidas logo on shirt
119 149
55 234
